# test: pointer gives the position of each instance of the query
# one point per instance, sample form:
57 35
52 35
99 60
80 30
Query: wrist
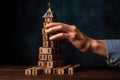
87 46
98 47
93 45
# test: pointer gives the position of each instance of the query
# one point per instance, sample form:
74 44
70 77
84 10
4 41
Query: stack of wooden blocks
50 56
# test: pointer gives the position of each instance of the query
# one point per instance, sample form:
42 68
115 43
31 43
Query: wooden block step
45 23
43 57
48 20
49 50
55 63
54 57
37 71
45 37
55 70
47 71
73 69
28 71
50 64
63 70
47 43
41 64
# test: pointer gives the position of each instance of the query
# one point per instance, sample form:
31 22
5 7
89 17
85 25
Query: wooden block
57 43
48 19
73 69
43 31
63 70
45 37
43 50
53 64
45 23
52 57
37 71
49 43
43 57
55 70
46 44
47 71
52 43
41 63
28 71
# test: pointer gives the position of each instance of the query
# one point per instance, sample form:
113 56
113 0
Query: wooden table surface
17 73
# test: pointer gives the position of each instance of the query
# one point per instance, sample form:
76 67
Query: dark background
22 22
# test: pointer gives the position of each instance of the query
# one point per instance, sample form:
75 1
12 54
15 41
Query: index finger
52 24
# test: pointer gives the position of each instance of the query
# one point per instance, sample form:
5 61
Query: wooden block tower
50 57
50 53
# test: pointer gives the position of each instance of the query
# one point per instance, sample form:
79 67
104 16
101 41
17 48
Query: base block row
69 69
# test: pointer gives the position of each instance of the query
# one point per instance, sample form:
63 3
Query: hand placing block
50 54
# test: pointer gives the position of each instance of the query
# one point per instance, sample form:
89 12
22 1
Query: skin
78 39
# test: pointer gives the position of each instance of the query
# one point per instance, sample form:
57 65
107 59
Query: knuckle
60 26
62 34
59 23
52 23
73 27
51 29
73 35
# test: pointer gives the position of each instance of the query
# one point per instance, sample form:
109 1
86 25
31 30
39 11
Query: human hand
70 33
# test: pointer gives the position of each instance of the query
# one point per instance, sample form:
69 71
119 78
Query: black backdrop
22 23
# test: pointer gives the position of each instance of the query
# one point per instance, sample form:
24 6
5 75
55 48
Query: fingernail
50 38
46 25
46 31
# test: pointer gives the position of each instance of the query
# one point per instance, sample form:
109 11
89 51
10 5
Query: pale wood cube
43 57
37 71
52 57
47 71
44 50
73 69
53 64
46 44
43 31
41 64
45 37
56 70
63 70
45 23
28 71
48 20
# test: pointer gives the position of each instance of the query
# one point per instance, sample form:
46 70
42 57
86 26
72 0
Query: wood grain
17 73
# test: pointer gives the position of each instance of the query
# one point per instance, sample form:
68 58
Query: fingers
59 36
57 27
52 24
